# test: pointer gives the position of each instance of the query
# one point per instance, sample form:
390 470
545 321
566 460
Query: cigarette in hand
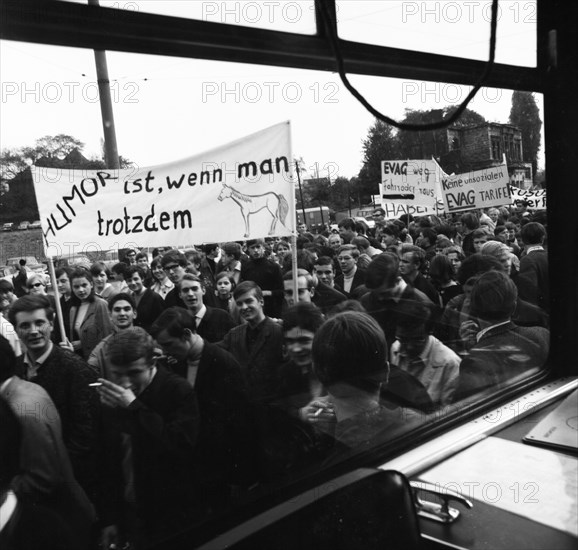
318 412
95 384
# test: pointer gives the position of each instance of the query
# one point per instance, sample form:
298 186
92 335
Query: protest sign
479 189
536 199
240 190
410 186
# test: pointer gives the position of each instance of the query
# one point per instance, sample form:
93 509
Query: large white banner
237 191
411 187
479 189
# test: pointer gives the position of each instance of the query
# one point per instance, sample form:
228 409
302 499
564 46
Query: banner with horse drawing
242 190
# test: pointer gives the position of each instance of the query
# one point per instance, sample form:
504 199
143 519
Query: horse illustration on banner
251 204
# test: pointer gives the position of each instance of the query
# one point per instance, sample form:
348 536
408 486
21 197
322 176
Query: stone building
482 146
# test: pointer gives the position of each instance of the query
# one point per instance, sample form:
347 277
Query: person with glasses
351 276
420 354
36 284
175 266
130 257
305 287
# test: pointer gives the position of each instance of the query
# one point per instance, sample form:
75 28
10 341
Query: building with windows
482 146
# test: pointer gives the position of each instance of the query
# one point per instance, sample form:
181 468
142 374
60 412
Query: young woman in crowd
456 256
225 284
36 284
281 249
162 285
89 317
100 276
442 276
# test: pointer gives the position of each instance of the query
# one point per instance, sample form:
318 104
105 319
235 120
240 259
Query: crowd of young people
180 388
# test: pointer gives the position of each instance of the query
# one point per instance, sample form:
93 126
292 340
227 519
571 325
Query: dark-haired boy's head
493 297
470 221
413 328
324 270
350 351
533 233
476 264
130 354
305 260
248 287
305 286
300 323
28 303
383 271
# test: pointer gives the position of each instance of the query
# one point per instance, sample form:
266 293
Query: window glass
457 304
458 29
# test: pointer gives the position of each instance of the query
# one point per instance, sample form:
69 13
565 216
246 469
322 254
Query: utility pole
319 183
110 148
298 170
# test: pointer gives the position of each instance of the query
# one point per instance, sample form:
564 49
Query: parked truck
316 218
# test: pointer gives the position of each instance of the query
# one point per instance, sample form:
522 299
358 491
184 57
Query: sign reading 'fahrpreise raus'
410 187
240 190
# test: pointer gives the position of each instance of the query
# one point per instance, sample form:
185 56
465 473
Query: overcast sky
169 108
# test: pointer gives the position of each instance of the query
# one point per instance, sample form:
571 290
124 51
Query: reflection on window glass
294 17
458 29
422 277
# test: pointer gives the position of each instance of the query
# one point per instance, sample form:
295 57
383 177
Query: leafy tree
58 146
341 196
16 188
12 162
316 192
380 144
467 118
383 143
60 151
525 115
425 144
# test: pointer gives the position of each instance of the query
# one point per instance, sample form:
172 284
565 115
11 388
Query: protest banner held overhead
479 189
535 199
240 190
410 187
